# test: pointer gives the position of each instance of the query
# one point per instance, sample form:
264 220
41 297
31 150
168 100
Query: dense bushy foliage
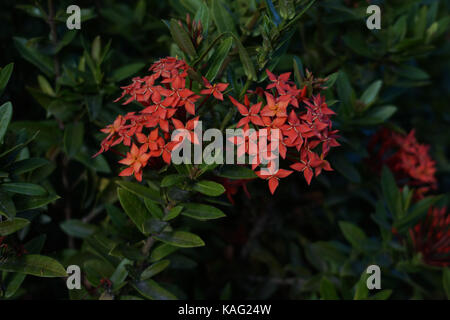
87 119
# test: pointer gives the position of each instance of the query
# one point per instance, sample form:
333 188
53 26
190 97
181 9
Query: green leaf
209 188
361 290
29 189
162 251
222 18
77 228
139 190
236 172
73 138
154 226
181 239
173 213
120 274
371 93
126 71
172 179
217 59
327 290
415 214
377 116
35 265
10 226
182 38
5 74
390 192
345 92
446 281
134 208
354 235
154 269
28 203
153 291
7 207
382 295
154 209
201 211
28 165
247 63
32 55
5 117
298 70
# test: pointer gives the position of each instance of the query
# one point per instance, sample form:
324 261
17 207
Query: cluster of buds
165 100
304 123
412 165
195 30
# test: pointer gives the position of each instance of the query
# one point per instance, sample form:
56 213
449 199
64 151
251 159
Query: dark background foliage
289 245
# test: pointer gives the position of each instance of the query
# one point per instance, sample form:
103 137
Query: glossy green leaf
371 93
154 269
73 138
7 207
8 227
162 251
77 228
222 18
201 211
134 208
5 117
236 172
32 55
27 203
354 235
29 189
36 265
139 190
172 179
153 291
218 58
209 188
173 213
5 74
182 38
181 239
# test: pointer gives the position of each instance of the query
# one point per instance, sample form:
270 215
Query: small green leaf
134 208
354 235
77 228
153 291
154 269
390 192
35 265
5 117
28 203
327 290
139 190
377 116
7 207
247 63
209 188
236 172
415 214
217 59
29 189
371 93
222 18
28 165
154 226
162 251
73 138
446 281
172 179
181 239
154 208
10 226
5 74
173 213
201 211
32 55
182 38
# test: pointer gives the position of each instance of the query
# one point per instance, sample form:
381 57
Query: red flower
250 115
273 177
215 89
136 159
432 237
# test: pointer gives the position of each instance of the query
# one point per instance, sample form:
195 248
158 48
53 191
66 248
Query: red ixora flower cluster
304 123
412 165
408 160
165 100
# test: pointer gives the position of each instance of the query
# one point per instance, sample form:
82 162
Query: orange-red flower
136 160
